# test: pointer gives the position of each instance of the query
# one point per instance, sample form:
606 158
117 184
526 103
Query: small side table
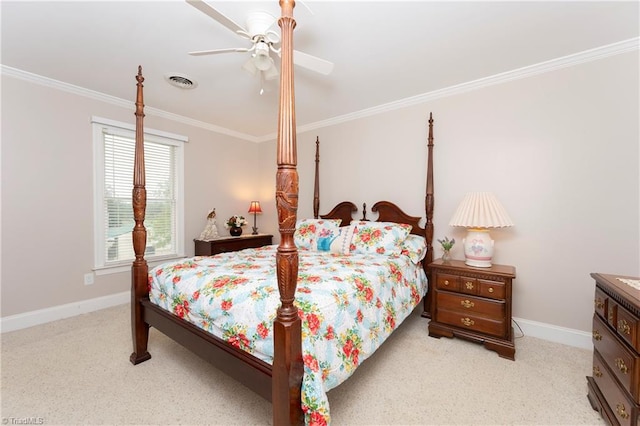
473 303
226 244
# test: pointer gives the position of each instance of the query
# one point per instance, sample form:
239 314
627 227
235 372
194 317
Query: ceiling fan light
250 67
263 63
271 73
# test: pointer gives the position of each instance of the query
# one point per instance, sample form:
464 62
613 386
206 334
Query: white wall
560 150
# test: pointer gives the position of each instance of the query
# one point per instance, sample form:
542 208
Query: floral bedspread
348 304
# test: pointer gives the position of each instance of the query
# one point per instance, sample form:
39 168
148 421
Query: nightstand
225 244
472 303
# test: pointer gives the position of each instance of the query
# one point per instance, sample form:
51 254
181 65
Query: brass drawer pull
621 365
467 321
490 289
623 327
596 371
446 282
596 335
469 285
622 411
467 303
599 304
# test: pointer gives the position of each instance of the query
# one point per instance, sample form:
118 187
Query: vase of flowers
235 224
447 245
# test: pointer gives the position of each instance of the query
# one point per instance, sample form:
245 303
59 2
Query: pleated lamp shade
479 211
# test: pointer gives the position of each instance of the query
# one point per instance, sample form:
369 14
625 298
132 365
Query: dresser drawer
492 289
469 285
600 303
468 305
624 410
448 282
627 327
620 360
469 321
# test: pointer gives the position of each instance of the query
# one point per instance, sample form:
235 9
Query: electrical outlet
88 278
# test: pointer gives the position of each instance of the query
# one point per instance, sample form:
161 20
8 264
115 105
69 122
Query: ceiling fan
264 41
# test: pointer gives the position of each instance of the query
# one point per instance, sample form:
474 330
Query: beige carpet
77 371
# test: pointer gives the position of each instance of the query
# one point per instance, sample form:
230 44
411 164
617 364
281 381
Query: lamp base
255 230
478 248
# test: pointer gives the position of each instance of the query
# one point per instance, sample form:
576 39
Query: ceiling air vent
180 80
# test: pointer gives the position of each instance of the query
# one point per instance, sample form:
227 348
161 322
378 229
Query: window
114 149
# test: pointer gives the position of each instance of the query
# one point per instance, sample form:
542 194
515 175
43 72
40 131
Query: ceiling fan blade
312 62
216 51
215 14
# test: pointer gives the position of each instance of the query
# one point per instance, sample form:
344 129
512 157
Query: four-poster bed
285 333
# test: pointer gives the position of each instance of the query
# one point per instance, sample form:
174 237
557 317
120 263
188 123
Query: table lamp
477 212
255 209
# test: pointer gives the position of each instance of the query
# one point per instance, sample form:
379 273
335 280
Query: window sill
126 267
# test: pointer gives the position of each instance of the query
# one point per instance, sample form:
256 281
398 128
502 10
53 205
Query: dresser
614 387
472 303
226 244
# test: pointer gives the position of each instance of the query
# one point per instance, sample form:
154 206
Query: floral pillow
340 243
378 237
309 232
415 247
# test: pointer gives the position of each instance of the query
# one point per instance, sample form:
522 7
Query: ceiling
383 51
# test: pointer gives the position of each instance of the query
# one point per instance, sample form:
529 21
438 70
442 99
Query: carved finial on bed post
287 367
316 182
139 269
364 211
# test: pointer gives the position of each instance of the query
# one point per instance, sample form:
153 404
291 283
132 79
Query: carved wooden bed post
287 359
428 205
139 269
316 182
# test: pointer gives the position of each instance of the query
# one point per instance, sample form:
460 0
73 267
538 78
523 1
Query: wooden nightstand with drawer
226 244
614 388
473 303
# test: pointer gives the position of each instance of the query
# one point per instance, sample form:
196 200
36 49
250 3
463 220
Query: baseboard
42 316
554 333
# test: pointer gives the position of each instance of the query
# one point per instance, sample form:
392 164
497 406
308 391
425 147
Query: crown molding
113 100
520 73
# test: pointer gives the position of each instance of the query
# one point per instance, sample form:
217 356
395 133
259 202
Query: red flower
347 348
263 331
359 315
239 341
317 419
365 237
179 310
314 323
380 250
176 279
310 362
355 354
196 295
377 233
391 320
227 304
368 294
329 334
